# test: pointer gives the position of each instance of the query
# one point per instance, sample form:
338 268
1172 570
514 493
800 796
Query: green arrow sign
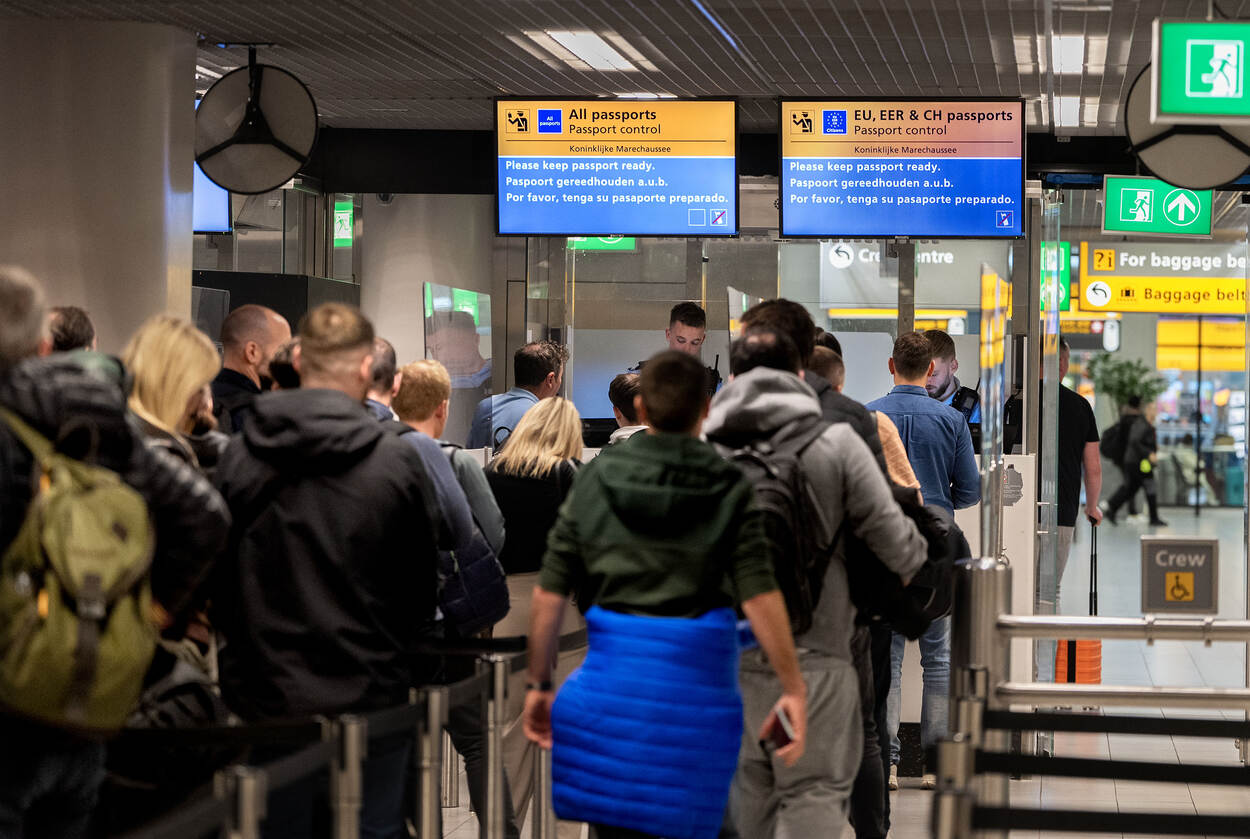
1148 205
1198 74
1060 259
602 243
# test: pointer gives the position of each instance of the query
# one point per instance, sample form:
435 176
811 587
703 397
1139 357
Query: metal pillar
544 816
429 815
905 252
451 773
496 720
347 774
245 788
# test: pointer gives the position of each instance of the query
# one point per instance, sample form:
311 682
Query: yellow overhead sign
1109 283
604 129
1220 346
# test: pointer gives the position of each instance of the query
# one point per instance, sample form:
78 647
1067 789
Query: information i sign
608 168
917 168
1199 72
1148 205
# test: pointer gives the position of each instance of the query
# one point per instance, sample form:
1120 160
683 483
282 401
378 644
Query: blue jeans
935 708
49 782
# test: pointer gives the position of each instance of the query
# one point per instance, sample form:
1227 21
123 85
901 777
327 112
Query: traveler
686 333
766 402
538 370
660 539
1077 452
332 577
71 329
943 385
622 392
531 478
250 335
383 381
282 367
871 803
452 339
939 447
1141 455
423 403
422 394
50 775
173 364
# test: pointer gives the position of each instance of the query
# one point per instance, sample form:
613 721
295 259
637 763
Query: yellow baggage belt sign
598 128
1103 289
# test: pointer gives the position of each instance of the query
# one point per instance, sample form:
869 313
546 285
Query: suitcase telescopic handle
1093 568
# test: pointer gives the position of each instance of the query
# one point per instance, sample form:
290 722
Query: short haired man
765 401
333 574
943 385
622 392
538 370
71 329
659 538
51 776
939 447
250 335
686 333
1077 453
383 380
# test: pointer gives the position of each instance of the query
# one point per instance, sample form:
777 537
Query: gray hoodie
846 481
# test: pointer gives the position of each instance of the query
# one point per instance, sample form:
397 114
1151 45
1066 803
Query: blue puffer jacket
647 730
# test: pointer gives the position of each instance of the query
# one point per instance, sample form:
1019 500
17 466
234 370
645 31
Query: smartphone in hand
780 734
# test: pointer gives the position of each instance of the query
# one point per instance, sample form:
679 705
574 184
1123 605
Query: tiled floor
1165 663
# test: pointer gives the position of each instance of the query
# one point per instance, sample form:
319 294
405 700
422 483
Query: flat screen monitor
617 167
881 168
210 203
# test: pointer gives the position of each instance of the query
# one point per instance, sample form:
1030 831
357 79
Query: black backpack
795 529
1114 443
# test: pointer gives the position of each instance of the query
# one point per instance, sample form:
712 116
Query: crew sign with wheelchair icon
1179 575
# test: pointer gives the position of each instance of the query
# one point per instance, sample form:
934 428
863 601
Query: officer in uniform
944 385
687 330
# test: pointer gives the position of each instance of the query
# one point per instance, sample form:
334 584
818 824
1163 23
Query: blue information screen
597 168
925 169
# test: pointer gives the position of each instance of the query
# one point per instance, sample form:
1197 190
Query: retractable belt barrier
975 761
236 804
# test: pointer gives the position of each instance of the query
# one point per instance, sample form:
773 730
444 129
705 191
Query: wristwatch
544 687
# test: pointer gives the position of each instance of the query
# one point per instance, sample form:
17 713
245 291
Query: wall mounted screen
617 167
210 204
916 168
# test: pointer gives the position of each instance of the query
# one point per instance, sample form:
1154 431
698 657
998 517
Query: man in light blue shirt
939 447
538 372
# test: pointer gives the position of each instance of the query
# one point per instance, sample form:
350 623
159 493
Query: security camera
386 197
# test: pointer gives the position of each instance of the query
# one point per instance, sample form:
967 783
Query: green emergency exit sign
1148 205
344 219
1199 72
1057 257
602 243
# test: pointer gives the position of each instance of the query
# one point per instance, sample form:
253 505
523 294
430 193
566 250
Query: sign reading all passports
617 167
916 168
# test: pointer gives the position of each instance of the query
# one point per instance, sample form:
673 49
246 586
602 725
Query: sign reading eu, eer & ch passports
916 168
612 168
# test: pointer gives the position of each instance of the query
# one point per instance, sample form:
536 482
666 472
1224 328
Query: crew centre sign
1168 279
617 167
916 168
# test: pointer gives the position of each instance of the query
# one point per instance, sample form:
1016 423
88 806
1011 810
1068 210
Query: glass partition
458 335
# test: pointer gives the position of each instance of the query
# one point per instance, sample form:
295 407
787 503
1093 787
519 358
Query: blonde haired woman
173 363
530 477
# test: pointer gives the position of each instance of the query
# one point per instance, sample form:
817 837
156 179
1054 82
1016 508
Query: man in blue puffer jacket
660 539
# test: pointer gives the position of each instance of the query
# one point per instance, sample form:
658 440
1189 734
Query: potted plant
1119 379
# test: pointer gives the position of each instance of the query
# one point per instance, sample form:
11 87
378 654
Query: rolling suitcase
1080 661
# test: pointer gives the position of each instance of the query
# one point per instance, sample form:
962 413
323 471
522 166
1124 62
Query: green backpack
76 632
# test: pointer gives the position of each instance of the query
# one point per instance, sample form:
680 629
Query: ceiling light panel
592 49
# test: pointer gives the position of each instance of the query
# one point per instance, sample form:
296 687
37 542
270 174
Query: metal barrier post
952 808
544 815
347 773
496 719
451 773
980 660
429 815
245 788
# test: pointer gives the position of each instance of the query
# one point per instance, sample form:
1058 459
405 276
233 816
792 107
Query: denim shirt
497 416
938 445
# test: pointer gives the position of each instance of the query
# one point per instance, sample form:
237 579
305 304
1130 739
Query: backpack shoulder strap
793 439
41 447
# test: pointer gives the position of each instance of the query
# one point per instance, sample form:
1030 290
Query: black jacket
837 407
332 577
75 408
233 395
529 507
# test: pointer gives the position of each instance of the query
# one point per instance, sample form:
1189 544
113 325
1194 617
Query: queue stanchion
496 719
952 806
544 815
430 758
347 773
451 774
244 789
